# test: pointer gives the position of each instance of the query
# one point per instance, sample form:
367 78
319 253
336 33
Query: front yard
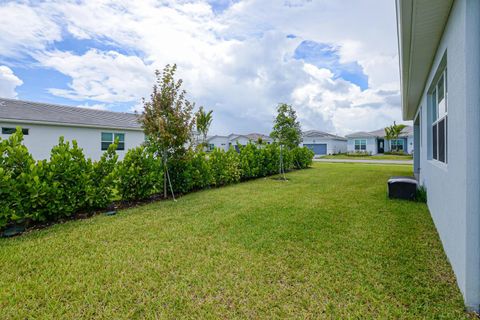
326 244
367 157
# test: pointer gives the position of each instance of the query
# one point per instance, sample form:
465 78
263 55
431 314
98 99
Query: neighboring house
439 48
322 143
94 130
216 141
374 142
233 140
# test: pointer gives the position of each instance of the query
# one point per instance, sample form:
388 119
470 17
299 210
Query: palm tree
204 120
392 132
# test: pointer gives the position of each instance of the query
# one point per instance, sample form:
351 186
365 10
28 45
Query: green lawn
326 244
375 157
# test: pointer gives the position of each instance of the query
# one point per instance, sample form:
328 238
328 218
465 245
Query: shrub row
67 183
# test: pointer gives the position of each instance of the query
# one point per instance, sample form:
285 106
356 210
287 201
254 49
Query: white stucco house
439 47
234 139
322 143
374 142
94 130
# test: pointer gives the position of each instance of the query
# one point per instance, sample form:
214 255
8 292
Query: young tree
287 131
204 120
286 128
392 132
167 119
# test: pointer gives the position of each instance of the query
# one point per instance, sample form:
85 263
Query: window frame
105 143
12 130
360 144
396 143
440 118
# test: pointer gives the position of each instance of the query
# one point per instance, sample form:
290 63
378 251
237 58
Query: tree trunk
164 179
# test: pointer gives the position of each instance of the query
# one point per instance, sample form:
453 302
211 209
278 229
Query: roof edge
68 124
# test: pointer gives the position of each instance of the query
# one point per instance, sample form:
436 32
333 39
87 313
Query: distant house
374 142
322 143
234 139
439 49
94 130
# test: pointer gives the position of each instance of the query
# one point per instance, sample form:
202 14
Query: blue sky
333 60
324 55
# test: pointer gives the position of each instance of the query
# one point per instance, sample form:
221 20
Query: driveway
410 162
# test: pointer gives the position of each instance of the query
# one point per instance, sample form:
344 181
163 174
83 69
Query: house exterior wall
42 138
219 142
240 140
333 146
453 189
371 145
407 144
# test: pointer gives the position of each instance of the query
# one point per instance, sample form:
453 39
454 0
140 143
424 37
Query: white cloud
238 63
24 29
8 83
100 76
341 105
95 106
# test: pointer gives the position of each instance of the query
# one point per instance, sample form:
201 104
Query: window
108 138
12 131
439 105
211 146
360 145
396 145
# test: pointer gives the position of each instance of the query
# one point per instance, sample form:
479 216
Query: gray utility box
402 188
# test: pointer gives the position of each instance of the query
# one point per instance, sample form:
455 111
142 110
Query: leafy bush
271 160
102 179
225 166
68 182
302 157
68 176
287 157
180 170
15 165
251 161
201 171
139 174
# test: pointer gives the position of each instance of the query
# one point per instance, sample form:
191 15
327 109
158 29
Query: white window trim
360 144
439 118
114 135
396 141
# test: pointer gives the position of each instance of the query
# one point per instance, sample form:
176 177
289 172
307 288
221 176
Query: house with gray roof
94 130
235 139
374 142
323 143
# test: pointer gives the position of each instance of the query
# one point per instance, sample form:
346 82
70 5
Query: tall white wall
42 138
454 189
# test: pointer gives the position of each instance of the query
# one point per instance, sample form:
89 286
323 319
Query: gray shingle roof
11 109
380 133
321 134
255 136
360 134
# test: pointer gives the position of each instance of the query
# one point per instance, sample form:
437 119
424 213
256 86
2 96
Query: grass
374 157
326 244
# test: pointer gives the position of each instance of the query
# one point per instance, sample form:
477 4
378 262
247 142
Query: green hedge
68 183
